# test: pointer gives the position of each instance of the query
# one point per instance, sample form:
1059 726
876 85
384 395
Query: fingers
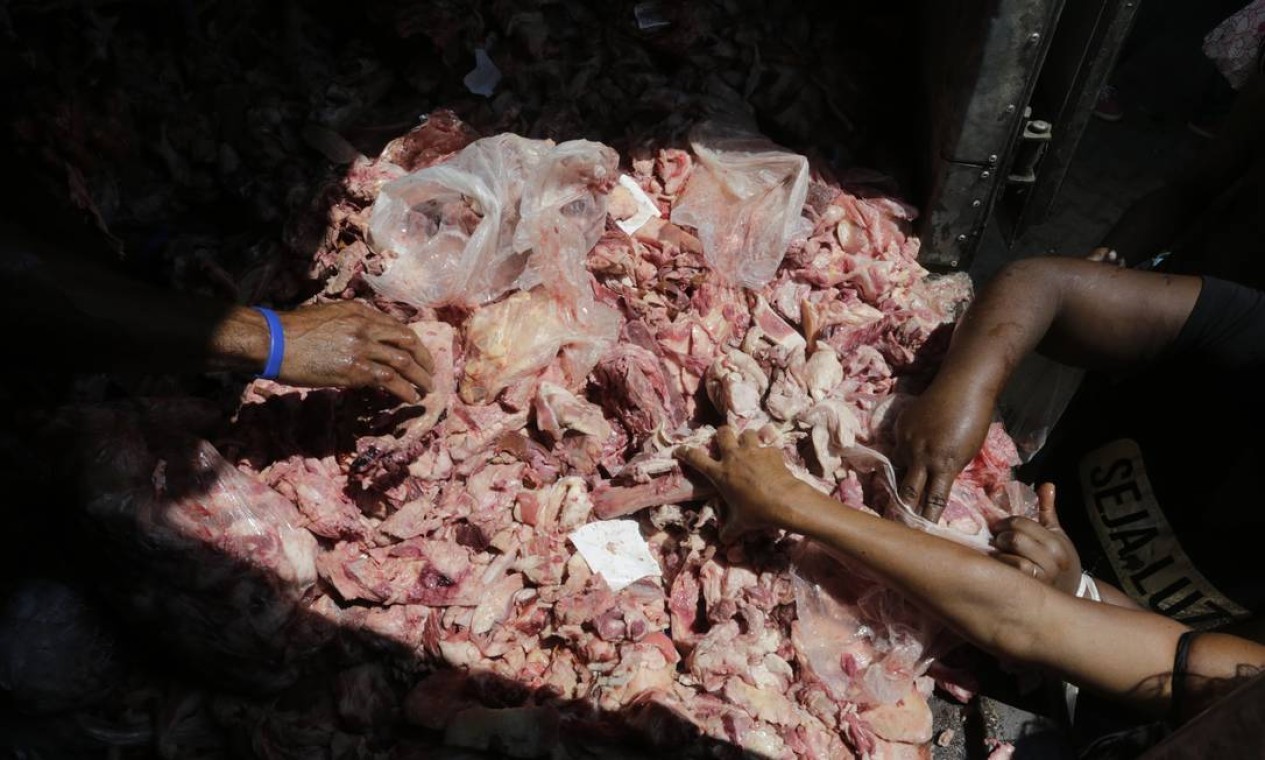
1045 506
1027 546
391 381
911 487
726 441
1023 565
938 495
402 337
699 460
403 363
750 438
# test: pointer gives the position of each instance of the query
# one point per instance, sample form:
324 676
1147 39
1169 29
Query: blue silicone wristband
276 344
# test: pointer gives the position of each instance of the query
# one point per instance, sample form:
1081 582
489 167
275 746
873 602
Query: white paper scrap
646 207
615 550
482 80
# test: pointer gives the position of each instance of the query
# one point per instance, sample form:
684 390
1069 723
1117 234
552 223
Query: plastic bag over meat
862 640
203 553
450 227
563 213
746 199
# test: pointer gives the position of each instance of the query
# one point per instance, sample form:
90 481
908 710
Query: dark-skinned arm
1072 310
74 315
1117 652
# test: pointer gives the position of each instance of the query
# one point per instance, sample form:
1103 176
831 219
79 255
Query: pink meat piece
672 167
907 720
736 385
635 390
577 427
418 571
617 501
470 430
440 135
523 334
436 698
1000 750
317 487
415 518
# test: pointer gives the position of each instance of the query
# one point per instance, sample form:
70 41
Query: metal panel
981 62
1082 55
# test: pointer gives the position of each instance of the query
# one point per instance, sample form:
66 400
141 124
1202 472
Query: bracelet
276 344
1088 588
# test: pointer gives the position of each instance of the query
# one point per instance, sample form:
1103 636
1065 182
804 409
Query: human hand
349 345
758 489
937 435
1040 548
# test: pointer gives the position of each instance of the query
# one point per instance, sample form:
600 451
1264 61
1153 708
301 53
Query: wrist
240 342
803 508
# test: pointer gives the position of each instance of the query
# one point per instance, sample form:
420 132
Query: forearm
81 316
1115 597
1073 311
984 600
1001 610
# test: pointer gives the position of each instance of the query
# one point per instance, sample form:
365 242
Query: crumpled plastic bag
207 557
746 199
451 226
864 642
562 216
505 213
1034 400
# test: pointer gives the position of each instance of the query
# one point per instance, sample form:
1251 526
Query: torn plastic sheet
868 460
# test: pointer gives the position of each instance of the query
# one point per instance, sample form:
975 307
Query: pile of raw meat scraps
416 567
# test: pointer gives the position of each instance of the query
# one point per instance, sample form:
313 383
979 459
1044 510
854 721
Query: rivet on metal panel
1034 38
976 203
992 160
962 238
1010 109
985 174
953 263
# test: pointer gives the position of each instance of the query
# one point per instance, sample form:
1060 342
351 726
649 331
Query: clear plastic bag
450 227
562 215
1035 398
863 641
746 200
205 555
505 213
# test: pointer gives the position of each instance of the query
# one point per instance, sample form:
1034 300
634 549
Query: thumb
1046 515
698 459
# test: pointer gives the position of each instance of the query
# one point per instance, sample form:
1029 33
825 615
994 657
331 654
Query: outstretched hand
937 436
1040 548
758 489
349 345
